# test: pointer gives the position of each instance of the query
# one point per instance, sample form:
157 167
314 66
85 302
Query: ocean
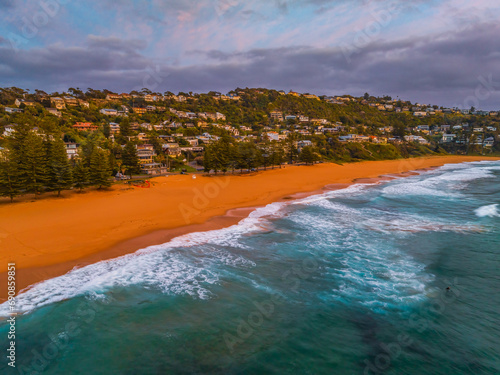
396 277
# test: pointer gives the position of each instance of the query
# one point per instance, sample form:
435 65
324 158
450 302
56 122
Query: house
220 116
417 139
57 103
489 142
27 103
150 98
172 149
153 168
9 129
85 126
478 130
150 108
83 103
146 153
293 93
193 141
491 128
302 144
420 114
290 117
309 96
423 128
113 97
273 136
493 113
54 111
447 138
114 128
142 137
109 112
13 110
140 111
353 138
277 116
70 101
71 149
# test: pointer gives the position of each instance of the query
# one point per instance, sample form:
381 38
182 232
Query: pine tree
60 173
99 169
10 185
307 155
208 159
125 129
33 164
130 159
81 175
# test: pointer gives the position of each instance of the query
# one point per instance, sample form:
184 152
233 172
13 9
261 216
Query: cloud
219 45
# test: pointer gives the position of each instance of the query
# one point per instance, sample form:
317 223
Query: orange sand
48 237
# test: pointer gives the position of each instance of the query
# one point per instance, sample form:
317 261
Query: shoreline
214 203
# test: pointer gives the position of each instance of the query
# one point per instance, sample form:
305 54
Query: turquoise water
348 282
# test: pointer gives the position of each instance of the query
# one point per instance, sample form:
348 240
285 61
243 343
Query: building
57 103
448 138
70 101
140 111
302 144
113 97
85 126
172 149
109 112
27 103
54 111
71 149
114 128
309 96
417 139
273 136
146 153
13 110
276 116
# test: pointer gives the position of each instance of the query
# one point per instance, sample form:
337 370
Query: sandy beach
50 236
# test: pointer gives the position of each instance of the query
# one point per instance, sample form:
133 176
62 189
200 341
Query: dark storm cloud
444 69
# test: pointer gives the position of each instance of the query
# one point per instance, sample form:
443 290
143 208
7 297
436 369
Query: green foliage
309 155
130 159
81 175
34 171
60 173
100 171
10 185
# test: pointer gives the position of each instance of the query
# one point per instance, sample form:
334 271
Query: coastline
81 229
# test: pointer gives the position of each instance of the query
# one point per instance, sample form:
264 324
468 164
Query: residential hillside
106 134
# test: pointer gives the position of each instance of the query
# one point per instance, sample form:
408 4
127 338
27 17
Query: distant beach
49 237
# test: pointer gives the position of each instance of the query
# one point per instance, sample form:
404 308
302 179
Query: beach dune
50 236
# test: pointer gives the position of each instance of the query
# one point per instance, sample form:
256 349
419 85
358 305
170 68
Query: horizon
438 52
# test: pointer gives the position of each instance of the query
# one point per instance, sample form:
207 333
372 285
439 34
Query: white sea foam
488 211
446 181
165 266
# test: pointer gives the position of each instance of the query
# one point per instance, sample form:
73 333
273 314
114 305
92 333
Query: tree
10 185
33 164
307 155
99 169
60 173
81 175
125 129
130 159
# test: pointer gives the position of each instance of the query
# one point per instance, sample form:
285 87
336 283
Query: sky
444 52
